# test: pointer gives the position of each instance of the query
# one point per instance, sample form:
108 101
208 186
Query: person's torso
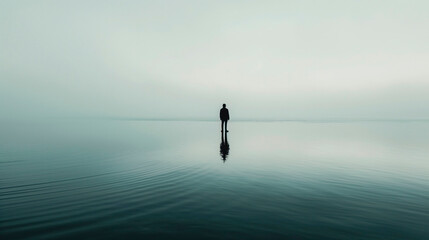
224 113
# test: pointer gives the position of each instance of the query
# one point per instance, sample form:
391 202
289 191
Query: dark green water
167 180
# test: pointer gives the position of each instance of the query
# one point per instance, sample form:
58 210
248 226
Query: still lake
119 179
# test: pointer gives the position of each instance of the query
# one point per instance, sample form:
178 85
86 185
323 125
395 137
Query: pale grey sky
264 59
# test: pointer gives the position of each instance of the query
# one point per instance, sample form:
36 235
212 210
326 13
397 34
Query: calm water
167 180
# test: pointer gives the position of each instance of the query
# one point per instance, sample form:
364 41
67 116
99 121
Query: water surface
105 179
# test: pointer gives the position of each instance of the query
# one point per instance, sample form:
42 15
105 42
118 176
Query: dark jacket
224 114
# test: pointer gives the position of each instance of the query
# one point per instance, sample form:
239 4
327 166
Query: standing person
224 116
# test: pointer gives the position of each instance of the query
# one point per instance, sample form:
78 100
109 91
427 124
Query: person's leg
221 125
226 123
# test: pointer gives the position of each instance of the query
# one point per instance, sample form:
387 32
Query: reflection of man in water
224 116
224 147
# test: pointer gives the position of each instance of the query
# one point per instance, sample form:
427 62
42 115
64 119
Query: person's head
224 105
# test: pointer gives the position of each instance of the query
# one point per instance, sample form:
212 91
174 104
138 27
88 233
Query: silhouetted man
224 116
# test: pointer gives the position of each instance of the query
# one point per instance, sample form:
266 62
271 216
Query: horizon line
177 119
195 119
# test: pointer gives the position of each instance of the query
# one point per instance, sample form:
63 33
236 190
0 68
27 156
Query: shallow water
101 179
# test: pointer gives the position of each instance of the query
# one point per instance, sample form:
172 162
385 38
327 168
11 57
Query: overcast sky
264 59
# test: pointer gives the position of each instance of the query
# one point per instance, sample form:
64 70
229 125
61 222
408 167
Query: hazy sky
264 59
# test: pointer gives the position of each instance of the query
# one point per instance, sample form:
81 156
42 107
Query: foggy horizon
265 60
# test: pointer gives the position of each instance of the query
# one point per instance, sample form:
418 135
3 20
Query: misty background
183 59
